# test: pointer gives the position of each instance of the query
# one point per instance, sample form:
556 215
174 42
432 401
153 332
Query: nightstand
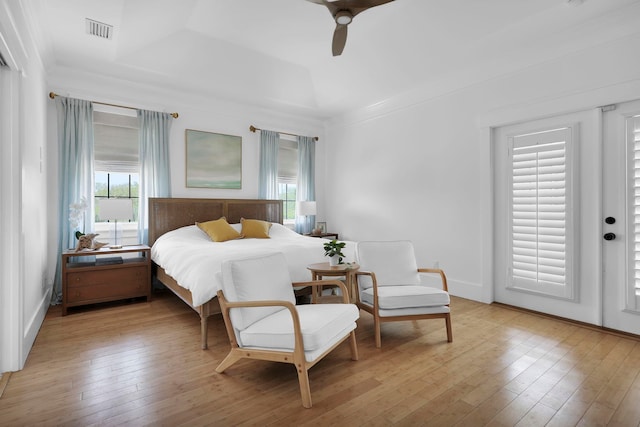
325 235
107 277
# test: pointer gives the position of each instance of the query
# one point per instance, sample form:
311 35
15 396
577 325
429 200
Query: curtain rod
52 95
252 128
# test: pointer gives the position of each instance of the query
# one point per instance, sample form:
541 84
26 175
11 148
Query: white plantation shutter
540 214
633 137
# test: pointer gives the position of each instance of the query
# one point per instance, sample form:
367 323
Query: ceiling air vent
99 29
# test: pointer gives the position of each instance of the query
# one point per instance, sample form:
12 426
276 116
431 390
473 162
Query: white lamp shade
115 209
306 208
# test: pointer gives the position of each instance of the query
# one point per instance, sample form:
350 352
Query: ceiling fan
343 12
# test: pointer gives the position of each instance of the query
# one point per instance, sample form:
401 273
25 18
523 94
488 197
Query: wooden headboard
166 214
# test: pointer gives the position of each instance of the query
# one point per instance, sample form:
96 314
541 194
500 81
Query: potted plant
333 250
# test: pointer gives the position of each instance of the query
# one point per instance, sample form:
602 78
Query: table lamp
307 208
115 209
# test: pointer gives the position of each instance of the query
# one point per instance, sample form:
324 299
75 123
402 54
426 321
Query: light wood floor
140 364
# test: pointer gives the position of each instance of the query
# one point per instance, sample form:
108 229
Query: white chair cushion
394 263
256 279
406 296
322 325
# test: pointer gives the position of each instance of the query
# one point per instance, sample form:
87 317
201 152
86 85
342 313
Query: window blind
287 161
540 212
116 146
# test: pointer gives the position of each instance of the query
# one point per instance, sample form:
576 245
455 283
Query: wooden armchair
263 322
390 288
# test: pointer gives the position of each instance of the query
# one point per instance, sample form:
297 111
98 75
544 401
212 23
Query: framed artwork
322 226
214 160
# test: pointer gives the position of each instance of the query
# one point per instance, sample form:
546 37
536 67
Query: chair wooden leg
354 346
231 358
376 326
305 390
448 323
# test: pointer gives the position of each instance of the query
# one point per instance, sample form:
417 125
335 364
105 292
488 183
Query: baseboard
466 290
4 380
571 321
34 325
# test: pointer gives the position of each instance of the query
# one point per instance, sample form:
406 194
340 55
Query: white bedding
194 261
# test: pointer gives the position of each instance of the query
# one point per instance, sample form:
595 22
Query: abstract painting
214 160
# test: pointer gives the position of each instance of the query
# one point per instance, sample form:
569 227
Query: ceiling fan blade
339 39
343 12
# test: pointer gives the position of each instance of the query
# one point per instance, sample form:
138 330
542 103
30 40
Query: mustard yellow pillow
218 230
255 228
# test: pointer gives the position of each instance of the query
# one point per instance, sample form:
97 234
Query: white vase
334 260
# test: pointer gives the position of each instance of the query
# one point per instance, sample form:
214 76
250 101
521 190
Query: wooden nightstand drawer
107 291
111 275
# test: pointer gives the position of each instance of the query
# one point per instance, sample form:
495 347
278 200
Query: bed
187 262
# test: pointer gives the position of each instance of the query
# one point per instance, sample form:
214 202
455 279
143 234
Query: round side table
348 271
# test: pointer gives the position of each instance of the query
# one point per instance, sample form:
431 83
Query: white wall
24 193
416 166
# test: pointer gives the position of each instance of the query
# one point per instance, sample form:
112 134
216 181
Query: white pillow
279 230
394 263
260 278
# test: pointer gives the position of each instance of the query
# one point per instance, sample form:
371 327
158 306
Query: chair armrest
443 277
261 303
374 283
318 283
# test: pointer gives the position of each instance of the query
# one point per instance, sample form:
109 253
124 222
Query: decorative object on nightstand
88 242
333 250
110 277
321 228
115 209
76 216
307 208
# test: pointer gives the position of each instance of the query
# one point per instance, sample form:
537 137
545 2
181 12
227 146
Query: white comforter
194 261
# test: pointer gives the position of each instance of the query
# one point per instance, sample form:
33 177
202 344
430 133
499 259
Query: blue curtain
306 186
75 176
155 176
268 176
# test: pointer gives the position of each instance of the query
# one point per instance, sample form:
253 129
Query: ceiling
277 53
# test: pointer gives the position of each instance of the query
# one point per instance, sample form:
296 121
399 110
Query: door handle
609 236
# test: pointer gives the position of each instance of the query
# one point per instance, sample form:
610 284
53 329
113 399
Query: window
116 184
287 193
117 169
541 213
288 177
